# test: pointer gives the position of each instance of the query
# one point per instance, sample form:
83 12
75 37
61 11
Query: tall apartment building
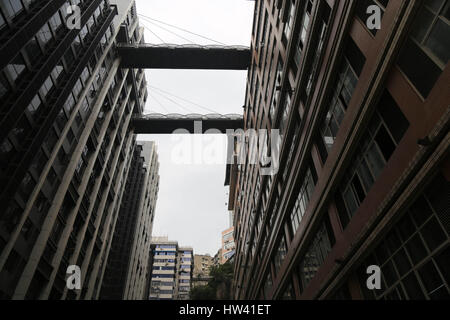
202 267
217 257
185 269
127 271
364 166
172 268
65 143
228 245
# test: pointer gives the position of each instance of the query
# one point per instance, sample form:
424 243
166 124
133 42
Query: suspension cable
167 30
173 101
170 25
154 34
159 103
183 99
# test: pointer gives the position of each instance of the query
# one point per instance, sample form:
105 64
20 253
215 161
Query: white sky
191 207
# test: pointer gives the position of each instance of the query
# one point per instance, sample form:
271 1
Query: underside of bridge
149 56
194 124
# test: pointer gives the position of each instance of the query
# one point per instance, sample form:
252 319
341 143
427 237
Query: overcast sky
191 207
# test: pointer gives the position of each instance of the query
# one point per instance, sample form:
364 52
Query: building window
433 31
4 86
292 147
268 285
7 150
276 89
305 23
2 21
10 217
289 25
280 254
339 103
414 256
427 50
303 33
262 44
303 197
344 87
44 35
285 114
55 21
22 130
56 72
11 8
15 68
384 132
46 87
325 16
228 236
258 25
316 253
288 293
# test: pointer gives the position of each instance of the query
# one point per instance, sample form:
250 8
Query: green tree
203 293
218 287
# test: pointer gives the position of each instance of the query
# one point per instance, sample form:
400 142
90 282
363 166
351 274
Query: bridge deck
149 56
197 124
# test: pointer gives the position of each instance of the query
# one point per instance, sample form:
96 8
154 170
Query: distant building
216 258
202 267
127 269
228 245
185 266
171 270
202 264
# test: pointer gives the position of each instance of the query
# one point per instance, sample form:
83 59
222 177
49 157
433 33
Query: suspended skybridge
190 56
156 123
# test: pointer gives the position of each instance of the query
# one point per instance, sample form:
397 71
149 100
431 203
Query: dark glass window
316 253
280 254
11 8
415 254
350 70
427 51
302 201
15 68
375 149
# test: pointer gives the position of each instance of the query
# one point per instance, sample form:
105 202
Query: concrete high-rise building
171 270
364 167
202 267
228 245
127 271
65 142
202 264
217 257
185 267
163 269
